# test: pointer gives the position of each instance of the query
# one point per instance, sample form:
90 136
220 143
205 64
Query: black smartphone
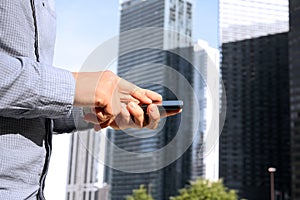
167 105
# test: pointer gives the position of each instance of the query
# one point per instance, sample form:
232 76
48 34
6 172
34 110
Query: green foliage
139 194
206 190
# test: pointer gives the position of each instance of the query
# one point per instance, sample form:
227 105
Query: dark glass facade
294 46
256 133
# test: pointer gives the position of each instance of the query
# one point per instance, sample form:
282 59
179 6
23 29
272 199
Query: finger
126 87
153 96
137 113
123 120
98 125
102 115
105 124
154 116
126 98
140 94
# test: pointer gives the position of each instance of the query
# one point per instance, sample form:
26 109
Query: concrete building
84 180
208 59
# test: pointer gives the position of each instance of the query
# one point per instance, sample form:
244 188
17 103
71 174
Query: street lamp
272 170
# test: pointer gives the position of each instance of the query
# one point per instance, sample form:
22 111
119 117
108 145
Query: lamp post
272 170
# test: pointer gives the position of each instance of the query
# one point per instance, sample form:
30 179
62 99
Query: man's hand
131 116
115 100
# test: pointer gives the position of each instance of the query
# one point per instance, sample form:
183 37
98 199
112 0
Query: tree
140 194
206 190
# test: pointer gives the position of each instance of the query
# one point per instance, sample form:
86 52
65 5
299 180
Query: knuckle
99 102
108 73
156 118
126 116
112 77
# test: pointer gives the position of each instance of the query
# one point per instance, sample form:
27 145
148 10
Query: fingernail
153 108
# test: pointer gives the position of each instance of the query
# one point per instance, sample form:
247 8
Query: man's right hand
106 92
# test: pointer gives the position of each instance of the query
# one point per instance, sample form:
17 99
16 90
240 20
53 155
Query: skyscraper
254 66
208 60
158 60
83 173
256 133
294 53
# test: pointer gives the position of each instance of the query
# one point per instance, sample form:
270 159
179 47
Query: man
37 98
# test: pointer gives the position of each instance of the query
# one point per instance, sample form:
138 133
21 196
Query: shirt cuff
71 123
57 92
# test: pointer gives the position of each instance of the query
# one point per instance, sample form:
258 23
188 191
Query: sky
82 25
85 24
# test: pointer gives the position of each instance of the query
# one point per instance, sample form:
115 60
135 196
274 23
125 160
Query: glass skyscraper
294 46
256 133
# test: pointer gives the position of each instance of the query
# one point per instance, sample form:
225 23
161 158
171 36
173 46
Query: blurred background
241 115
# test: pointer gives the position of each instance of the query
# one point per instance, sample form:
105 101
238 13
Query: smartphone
167 105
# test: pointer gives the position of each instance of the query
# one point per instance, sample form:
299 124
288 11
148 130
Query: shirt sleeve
30 89
70 123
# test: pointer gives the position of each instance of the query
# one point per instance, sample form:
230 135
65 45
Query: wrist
75 74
